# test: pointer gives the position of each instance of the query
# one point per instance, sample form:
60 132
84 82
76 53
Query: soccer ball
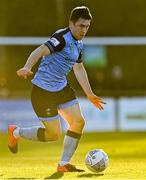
96 160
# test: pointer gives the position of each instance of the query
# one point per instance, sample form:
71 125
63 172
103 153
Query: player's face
79 28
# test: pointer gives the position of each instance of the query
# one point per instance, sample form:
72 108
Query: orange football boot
68 168
12 140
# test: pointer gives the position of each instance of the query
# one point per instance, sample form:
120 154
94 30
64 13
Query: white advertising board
17 112
97 120
132 114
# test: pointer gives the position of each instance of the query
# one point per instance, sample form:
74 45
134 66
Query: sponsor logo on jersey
54 41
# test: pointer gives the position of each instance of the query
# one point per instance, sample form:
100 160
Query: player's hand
24 72
97 101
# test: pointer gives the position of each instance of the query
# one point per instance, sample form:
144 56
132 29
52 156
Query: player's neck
73 34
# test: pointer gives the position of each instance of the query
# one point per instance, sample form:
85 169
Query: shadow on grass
89 175
20 178
55 175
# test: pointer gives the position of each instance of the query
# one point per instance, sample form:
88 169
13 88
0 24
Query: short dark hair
80 12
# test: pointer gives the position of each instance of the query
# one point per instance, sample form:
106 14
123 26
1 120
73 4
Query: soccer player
51 94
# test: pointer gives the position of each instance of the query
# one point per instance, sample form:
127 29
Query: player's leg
69 109
72 114
50 132
46 112
74 118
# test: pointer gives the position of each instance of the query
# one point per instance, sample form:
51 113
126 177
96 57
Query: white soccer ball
96 160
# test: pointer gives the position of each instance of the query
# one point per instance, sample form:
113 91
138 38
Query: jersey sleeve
80 58
55 43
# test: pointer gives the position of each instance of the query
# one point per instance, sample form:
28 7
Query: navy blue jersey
65 52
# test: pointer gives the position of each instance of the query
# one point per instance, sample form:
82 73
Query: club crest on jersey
54 41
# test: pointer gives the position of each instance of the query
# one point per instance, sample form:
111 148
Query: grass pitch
35 160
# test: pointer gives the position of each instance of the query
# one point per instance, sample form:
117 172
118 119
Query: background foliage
110 18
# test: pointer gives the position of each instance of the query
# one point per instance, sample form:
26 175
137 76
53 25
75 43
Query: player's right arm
42 50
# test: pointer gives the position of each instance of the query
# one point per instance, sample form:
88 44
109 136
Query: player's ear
71 24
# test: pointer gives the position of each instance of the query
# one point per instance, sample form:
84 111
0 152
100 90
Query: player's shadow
20 178
89 175
55 175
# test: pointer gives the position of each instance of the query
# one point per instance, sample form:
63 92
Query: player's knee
44 135
79 122
82 123
54 136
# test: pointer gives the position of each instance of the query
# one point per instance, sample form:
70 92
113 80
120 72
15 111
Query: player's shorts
46 104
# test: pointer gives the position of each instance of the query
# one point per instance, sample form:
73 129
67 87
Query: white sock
62 163
70 145
29 133
16 132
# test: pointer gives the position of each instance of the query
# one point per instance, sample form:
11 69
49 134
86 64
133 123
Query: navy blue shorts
46 104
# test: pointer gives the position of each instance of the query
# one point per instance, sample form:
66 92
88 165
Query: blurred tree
110 18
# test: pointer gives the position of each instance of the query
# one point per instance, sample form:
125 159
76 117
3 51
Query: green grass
127 155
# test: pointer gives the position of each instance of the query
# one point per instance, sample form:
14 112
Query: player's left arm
82 78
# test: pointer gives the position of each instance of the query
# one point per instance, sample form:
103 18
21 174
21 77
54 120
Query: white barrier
97 120
131 115
112 41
